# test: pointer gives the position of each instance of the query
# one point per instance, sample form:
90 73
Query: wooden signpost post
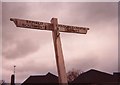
55 28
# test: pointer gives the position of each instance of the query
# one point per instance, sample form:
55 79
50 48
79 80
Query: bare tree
72 74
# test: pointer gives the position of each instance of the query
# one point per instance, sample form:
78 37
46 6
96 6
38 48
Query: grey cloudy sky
32 51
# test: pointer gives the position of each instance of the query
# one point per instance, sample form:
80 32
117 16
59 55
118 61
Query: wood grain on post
58 52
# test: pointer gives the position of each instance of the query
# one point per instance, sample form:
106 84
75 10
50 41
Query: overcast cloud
32 51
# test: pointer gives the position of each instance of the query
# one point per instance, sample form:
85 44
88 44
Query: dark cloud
20 49
92 12
101 11
83 63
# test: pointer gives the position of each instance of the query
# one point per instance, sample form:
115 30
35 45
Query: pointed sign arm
48 26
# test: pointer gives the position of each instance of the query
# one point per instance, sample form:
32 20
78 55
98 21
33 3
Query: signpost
55 28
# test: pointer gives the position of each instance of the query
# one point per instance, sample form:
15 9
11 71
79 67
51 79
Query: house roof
91 76
48 78
94 76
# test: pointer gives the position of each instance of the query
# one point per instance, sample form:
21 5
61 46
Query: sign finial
14 68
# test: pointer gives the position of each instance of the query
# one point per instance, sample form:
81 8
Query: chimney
12 79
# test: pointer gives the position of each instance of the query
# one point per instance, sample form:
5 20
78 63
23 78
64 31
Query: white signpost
55 28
